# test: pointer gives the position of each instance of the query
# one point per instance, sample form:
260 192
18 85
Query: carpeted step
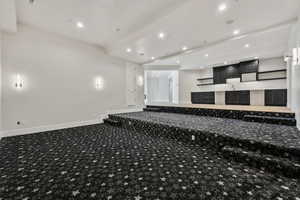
274 164
215 140
112 122
152 109
271 120
224 113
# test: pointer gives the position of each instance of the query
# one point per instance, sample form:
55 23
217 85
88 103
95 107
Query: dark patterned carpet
104 162
279 135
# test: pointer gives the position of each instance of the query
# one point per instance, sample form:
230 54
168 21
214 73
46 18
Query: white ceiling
8 16
190 23
100 17
264 44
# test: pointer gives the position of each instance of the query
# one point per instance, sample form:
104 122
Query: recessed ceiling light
128 50
206 55
222 7
236 32
247 45
161 35
79 24
152 58
184 48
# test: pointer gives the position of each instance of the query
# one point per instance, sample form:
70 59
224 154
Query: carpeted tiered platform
275 147
108 163
263 114
154 156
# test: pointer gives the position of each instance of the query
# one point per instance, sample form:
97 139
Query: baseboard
31 130
53 127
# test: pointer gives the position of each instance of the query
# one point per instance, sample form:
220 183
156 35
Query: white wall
257 97
59 80
295 73
188 82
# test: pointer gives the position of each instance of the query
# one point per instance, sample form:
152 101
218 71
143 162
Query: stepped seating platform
265 114
265 144
287 166
112 122
271 120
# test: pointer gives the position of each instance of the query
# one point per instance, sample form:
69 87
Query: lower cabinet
203 97
272 97
276 97
237 97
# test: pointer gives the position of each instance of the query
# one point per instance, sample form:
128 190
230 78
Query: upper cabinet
234 71
219 75
249 66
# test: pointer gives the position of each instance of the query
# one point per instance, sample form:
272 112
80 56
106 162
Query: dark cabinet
219 75
232 71
225 72
203 97
276 97
237 97
249 66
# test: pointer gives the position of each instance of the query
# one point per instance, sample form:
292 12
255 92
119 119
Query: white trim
38 129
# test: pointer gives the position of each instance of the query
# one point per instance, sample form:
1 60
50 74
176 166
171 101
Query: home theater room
149 100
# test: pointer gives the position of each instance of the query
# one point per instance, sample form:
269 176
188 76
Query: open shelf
202 79
249 77
272 75
205 84
205 81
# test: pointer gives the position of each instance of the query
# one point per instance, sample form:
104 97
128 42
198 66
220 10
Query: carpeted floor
104 162
279 135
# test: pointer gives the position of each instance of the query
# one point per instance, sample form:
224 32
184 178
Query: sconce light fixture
296 56
99 83
19 83
140 80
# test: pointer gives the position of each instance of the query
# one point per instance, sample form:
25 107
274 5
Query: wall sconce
99 83
19 82
296 56
140 81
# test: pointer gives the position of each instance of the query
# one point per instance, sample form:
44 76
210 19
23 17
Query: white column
289 82
0 85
